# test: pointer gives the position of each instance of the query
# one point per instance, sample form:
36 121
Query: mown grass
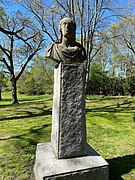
110 131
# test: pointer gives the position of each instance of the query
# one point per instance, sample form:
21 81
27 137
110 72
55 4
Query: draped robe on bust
60 53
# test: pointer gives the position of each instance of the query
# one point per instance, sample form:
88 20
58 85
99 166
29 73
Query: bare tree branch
28 60
4 51
129 44
5 62
10 32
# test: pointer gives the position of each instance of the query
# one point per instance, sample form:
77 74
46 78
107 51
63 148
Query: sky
14 6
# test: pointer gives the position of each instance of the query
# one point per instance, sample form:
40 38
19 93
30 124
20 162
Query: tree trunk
14 91
0 94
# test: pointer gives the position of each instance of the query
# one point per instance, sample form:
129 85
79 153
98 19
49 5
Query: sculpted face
67 27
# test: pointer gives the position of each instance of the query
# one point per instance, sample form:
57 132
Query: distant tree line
101 83
39 81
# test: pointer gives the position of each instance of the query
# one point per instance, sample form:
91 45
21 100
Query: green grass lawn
110 131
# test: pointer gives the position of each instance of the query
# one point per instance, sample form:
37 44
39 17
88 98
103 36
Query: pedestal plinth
68 119
89 167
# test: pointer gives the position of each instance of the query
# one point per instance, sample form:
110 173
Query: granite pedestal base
89 167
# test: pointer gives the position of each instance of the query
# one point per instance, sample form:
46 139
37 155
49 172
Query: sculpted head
67 28
66 49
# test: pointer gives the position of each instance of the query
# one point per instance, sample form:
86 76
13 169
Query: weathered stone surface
68 124
56 111
89 167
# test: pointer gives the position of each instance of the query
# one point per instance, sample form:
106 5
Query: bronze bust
67 50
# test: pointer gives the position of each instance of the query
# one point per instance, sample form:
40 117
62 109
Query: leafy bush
100 83
35 82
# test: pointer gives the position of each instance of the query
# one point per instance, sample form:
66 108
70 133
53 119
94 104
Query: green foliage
2 79
39 80
110 131
131 85
3 82
101 83
94 83
35 82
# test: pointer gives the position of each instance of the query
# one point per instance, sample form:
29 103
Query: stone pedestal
68 118
68 156
89 167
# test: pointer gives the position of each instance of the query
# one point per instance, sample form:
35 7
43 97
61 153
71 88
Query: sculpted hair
67 19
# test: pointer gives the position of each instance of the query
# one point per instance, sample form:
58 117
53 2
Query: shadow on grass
36 131
134 117
120 166
24 101
100 98
4 104
38 99
118 107
30 114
